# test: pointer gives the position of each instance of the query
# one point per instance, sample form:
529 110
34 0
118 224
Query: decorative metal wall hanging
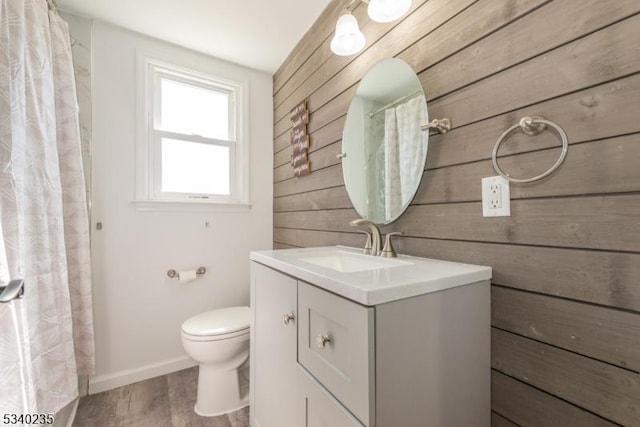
300 140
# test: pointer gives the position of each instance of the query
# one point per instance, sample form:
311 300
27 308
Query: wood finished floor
165 401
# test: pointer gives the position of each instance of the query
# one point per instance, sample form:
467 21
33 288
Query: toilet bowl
218 341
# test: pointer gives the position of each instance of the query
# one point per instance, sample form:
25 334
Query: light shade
348 39
387 10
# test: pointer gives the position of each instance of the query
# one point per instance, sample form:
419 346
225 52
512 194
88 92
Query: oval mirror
383 148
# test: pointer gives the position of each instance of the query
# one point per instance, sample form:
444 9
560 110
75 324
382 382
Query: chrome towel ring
531 125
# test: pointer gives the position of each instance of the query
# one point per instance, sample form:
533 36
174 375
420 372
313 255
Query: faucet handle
368 245
388 251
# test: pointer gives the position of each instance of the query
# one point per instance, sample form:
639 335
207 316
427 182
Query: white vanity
344 339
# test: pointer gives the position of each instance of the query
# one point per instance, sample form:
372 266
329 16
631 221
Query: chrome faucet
375 233
387 250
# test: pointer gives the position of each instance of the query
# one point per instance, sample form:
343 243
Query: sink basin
348 262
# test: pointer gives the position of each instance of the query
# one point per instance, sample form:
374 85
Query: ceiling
254 33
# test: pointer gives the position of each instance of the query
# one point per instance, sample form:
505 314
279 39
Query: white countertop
406 277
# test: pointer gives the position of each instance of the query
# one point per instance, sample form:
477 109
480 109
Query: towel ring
531 125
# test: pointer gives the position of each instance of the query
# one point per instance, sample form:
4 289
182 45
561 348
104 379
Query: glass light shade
348 39
387 10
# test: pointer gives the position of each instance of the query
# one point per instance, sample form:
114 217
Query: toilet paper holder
173 273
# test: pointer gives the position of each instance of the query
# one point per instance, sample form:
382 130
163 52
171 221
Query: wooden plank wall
566 281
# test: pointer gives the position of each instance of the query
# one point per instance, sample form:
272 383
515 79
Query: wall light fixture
348 39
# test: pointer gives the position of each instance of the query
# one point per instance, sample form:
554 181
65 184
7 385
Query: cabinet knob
288 317
322 340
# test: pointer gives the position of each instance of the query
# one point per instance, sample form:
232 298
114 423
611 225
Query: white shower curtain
46 338
405 145
392 183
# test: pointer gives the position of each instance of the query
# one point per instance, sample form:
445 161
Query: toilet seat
218 324
221 337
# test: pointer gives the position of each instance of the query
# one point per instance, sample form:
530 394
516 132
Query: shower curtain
392 184
46 338
405 144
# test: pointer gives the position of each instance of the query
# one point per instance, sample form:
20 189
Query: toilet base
197 411
220 392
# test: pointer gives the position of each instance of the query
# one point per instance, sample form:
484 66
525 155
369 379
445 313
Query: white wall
138 309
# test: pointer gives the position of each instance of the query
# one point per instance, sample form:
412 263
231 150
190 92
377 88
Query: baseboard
102 383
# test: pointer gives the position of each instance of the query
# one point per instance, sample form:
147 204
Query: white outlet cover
496 197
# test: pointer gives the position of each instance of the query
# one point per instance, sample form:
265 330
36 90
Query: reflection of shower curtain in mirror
392 186
404 149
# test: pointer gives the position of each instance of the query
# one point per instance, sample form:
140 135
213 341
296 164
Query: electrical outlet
495 197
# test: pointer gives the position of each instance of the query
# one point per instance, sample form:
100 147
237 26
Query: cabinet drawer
336 345
321 409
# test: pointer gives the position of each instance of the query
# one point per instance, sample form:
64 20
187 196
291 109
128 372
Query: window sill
190 206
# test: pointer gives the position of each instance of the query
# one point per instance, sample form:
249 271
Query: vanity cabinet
420 361
283 394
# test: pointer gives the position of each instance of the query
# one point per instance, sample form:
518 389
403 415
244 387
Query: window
192 148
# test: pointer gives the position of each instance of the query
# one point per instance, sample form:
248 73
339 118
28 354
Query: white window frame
149 139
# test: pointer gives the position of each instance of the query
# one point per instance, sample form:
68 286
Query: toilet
219 341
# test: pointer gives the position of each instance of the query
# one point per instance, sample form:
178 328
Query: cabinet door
321 409
275 396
